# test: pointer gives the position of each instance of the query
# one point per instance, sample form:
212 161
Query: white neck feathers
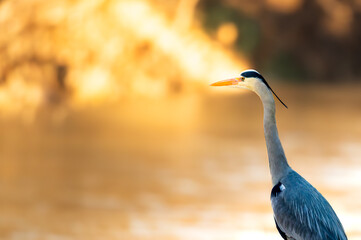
276 156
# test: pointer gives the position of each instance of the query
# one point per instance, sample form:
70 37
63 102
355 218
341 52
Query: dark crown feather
255 74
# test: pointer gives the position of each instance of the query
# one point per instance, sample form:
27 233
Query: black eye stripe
255 74
252 74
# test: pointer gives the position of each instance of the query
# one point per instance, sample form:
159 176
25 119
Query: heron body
300 211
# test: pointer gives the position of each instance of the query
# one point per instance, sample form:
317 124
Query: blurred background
109 129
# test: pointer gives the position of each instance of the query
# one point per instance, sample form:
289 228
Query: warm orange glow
93 84
109 128
284 6
106 50
339 17
227 33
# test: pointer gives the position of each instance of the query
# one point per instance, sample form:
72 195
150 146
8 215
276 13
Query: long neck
276 156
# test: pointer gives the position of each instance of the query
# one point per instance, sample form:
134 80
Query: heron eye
242 78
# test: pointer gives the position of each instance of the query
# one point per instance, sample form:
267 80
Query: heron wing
283 235
301 212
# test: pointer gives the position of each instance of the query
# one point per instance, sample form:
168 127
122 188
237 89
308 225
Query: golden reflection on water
192 167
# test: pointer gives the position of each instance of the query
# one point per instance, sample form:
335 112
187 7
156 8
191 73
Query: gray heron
300 211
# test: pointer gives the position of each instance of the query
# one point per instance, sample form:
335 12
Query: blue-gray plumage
300 211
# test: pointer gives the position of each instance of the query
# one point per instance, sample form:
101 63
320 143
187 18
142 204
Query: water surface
191 167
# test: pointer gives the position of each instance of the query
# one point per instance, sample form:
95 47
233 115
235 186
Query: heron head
249 79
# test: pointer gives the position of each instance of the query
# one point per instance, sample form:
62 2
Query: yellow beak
227 82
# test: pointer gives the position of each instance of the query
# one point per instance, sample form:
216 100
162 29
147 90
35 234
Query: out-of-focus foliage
98 50
318 40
